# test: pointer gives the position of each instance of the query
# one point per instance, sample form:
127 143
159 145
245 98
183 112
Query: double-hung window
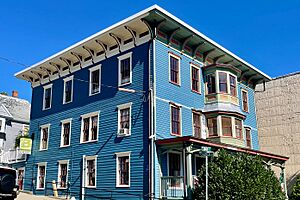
197 124
62 174
89 127
232 80
222 82
95 80
68 90
65 132
195 76
123 169
47 97
124 119
245 101
90 171
174 65
175 120
226 126
238 128
212 126
248 137
44 137
125 69
41 175
211 83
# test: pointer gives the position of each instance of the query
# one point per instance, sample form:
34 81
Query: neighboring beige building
278 115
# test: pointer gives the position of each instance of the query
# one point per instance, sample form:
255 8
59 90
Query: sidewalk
26 196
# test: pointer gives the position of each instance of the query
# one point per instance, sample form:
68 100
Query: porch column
283 177
189 174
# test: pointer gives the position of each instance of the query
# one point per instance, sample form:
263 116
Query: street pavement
26 196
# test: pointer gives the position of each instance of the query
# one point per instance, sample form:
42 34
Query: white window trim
41 134
89 115
62 131
45 88
247 93
122 154
120 58
59 170
191 77
121 107
180 119
38 173
86 170
179 67
98 67
70 78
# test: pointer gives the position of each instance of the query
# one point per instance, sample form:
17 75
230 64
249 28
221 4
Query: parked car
8 187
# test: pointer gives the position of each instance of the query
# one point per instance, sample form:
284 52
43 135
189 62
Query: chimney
15 94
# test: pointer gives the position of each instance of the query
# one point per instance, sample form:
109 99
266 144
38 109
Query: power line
12 61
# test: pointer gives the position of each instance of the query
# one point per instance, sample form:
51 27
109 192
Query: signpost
206 151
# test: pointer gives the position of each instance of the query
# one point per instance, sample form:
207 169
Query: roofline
220 145
139 14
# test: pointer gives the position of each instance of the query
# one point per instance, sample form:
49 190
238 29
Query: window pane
223 82
195 79
95 86
123 170
174 164
91 176
66 133
44 138
47 100
175 116
41 177
248 137
238 128
211 83
197 125
63 176
212 126
68 91
232 85
245 101
125 71
125 118
226 126
86 125
94 128
174 67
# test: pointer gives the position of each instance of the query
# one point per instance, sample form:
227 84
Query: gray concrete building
278 115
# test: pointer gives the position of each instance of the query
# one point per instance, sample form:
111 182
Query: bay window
211 83
212 126
226 126
232 81
222 82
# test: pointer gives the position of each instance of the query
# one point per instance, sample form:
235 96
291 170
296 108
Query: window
238 128
124 119
174 166
175 120
248 137
41 176
223 82
47 97
123 169
232 80
195 78
95 82
65 132
212 127
89 127
91 170
125 69
68 90
211 84
197 124
226 126
62 174
245 100
45 129
174 64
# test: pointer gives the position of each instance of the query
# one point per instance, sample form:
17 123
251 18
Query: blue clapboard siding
108 144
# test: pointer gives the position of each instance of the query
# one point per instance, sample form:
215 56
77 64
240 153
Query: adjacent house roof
14 108
132 30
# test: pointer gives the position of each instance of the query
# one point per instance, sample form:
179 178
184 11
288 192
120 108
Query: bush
296 190
238 176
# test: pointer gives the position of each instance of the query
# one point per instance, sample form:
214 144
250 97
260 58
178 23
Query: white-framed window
89 127
174 68
95 80
44 137
2 125
62 179
90 171
125 69
248 137
123 169
195 78
68 90
66 127
221 82
175 120
41 176
124 119
47 97
245 102
196 116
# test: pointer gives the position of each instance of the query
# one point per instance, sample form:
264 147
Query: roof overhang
204 142
128 33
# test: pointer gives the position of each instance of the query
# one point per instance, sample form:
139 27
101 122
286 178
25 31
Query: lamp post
206 152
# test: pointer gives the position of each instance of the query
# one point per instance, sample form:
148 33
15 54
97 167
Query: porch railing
12 156
172 187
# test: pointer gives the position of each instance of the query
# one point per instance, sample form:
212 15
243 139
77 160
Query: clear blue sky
266 33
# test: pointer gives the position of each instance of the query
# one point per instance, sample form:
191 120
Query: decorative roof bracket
185 42
117 39
132 33
206 54
228 62
216 59
103 46
91 52
149 28
28 78
172 33
57 67
243 74
38 75
197 48
78 57
67 62
251 78
49 72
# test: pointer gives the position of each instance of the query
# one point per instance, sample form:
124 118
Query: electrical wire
12 61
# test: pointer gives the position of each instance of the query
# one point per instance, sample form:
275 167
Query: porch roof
190 139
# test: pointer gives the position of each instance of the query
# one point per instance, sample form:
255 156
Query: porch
181 158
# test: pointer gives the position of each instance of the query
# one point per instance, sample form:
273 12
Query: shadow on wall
291 182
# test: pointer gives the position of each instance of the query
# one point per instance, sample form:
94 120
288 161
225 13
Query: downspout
83 178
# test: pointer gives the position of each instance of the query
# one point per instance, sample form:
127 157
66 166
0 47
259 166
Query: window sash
45 135
125 118
195 79
47 98
95 81
41 177
248 137
211 84
91 172
245 101
197 125
175 117
174 69
63 175
232 85
94 127
238 128
66 133
212 126
68 91
226 126
125 70
222 82
90 128
123 170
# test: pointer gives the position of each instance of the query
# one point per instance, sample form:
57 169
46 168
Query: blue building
124 113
